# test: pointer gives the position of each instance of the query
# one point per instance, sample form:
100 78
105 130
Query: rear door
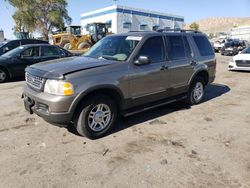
51 52
147 82
180 62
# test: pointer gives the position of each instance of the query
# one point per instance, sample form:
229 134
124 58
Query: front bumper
228 52
232 66
54 109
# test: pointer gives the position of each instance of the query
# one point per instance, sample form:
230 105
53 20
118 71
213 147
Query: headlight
58 87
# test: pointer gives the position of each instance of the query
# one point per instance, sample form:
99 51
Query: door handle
193 63
164 67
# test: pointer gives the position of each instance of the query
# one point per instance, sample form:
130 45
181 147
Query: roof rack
137 31
178 30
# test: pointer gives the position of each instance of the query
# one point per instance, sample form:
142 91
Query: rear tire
196 91
96 116
67 46
3 76
84 45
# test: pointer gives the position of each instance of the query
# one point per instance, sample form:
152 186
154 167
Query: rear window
203 45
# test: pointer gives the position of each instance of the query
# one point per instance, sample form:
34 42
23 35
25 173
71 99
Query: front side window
203 45
117 48
31 52
154 49
176 48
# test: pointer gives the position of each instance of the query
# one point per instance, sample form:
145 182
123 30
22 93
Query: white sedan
241 61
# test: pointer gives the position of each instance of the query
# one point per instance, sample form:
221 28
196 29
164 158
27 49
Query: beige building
242 33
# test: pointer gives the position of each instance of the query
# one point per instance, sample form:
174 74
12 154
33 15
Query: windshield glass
13 52
116 48
246 51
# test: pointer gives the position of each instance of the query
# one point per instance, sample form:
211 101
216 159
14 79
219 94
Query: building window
143 27
127 25
167 28
155 28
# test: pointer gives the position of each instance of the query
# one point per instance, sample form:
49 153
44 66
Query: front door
148 82
27 57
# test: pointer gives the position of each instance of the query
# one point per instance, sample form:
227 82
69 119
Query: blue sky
191 9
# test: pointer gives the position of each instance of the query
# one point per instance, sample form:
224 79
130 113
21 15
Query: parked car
121 74
241 61
14 62
8 45
219 44
233 48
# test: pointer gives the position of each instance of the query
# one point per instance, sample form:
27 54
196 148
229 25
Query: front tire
3 76
96 116
196 91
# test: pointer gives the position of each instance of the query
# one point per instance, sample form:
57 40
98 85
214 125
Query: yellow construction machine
70 37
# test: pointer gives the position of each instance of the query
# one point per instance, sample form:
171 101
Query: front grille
243 63
34 81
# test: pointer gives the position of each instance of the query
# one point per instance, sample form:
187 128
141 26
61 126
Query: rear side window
51 51
203 45
154 49
13 45
176 48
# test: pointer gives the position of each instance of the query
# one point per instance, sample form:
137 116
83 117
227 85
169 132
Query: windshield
246 51
116 48
13 52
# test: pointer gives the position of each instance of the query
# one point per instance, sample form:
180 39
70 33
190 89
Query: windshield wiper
107 57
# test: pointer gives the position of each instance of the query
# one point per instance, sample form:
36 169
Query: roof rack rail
138 31
178 30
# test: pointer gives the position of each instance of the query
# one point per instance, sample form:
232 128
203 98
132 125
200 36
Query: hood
57 69
242 57
2 58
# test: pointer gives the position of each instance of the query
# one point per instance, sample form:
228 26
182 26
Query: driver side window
31 52
154 49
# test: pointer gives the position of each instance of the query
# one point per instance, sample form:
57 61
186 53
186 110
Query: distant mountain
212 25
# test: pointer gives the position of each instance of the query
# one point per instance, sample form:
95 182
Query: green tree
194 26
40 15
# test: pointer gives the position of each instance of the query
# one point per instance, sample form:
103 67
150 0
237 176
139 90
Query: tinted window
187 47
153 48
176 48
51 51
246 51
203 45
13 45
23 42
31 52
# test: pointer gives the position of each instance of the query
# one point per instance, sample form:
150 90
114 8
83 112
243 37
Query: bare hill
211 25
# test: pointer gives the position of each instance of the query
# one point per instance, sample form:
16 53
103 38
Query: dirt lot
207 145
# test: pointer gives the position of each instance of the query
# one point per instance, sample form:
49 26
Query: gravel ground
207 145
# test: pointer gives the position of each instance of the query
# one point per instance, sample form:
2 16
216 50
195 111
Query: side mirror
142 60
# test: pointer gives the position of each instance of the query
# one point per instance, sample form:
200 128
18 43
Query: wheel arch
7 71
202 73
109 90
